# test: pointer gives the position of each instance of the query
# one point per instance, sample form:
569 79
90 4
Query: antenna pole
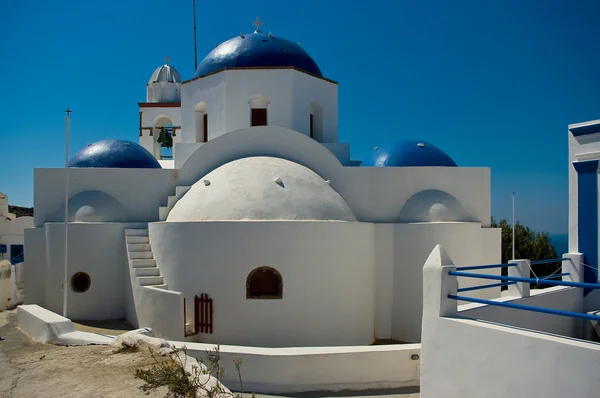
65 276
195 46
513 225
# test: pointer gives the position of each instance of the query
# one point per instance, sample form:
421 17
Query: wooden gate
203 315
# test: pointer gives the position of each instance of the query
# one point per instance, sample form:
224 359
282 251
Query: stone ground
30 369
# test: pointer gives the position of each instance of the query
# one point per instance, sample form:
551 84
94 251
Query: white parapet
48 327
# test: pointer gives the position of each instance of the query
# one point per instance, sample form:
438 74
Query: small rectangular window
259 117
311 126
16 254
205 122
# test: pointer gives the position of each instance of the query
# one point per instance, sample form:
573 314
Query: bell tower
160 115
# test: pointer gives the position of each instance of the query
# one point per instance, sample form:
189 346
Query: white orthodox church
256 228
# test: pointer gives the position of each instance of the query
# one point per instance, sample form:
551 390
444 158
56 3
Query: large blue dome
408 154
118 154
257 50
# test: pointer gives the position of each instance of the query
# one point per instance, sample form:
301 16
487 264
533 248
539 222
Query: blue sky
493 83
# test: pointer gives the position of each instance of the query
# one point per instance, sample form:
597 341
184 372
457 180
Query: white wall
375 194
291 370
326 267
228 95
140 191
467 244
97 249
560 298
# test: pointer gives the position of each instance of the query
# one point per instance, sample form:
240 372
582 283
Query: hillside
21 211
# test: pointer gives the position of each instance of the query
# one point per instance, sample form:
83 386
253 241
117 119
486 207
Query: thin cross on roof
167 59
258 23
68 111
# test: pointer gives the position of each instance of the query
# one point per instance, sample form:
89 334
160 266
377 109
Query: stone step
140 255
139 247
143 263
163 212
147 271
136 232
171 200
163 286
150 280
180 191
137 239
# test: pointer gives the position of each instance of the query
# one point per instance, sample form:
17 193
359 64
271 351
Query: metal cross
167 59
258 23
68 112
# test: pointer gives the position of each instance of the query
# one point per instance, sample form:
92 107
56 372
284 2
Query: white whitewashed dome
261 188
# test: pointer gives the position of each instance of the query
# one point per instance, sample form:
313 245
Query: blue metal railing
527 280
473 267
468 289
552 260
526 307
554 275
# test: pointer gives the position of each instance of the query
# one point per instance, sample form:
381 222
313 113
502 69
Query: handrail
527 280
472 267
552 260
468 289
526 307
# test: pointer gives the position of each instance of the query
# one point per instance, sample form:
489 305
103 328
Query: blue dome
118 154
408 154
256 50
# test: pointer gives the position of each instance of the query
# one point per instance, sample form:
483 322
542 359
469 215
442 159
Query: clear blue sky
493 83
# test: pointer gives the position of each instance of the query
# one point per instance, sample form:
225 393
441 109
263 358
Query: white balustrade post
522 270
574 266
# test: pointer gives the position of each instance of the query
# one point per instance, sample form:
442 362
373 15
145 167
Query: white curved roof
261 188
165 73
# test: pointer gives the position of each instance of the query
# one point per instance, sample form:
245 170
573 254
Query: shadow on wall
433 205
93 206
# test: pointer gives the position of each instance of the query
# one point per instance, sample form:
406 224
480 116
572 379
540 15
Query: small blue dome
257 50
117 154
408 154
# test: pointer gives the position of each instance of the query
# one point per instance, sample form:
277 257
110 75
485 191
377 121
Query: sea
560 242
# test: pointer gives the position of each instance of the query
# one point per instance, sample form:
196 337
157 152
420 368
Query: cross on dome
258 23
167 59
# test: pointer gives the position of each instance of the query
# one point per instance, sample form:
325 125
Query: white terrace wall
140 191
464 358
303 369
326 268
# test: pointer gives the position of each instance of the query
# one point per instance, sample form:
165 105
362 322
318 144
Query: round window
80 282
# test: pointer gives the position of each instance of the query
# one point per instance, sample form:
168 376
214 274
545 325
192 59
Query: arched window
258 111
201 119
264 283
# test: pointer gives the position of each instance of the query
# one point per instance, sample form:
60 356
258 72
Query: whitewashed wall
97 249
326 267
293 370
35 271
375 194
467 244
228 94
140 191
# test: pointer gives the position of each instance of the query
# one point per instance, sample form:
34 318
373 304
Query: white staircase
141 258
163 211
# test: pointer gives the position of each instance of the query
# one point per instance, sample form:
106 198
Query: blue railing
488 266
526 280
526 307
511 280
